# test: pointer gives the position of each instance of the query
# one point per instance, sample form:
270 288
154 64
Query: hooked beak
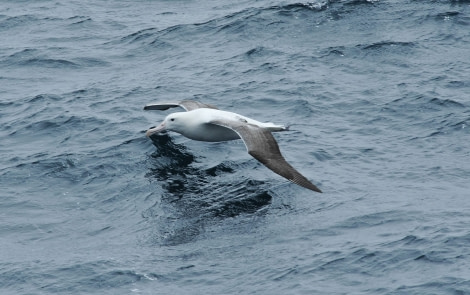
157 129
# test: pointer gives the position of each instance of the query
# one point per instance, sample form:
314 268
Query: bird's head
173 122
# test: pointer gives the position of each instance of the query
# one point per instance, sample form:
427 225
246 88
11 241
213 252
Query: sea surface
377 97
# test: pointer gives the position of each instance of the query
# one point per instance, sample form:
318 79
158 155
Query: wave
239 22
48 63
386 44
53 57
33 58
419 102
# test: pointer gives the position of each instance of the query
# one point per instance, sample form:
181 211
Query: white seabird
205 122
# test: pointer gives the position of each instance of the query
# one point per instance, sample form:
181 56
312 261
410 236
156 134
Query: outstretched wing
188 105
261 144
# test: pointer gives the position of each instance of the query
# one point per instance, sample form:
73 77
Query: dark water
377 93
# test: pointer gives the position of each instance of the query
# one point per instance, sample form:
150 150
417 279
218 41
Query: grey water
377 94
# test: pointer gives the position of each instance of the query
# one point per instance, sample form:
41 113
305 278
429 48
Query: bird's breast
210 132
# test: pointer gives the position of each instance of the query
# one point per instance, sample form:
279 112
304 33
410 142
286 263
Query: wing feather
261 144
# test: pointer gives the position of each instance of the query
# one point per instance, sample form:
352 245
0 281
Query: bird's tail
274 127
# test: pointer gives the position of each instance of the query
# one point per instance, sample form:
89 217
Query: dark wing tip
159 107
280 166
301 180
311 186
295 177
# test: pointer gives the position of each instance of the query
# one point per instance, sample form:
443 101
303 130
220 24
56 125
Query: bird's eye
172 119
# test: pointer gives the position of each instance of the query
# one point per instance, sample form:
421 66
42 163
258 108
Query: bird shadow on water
196 197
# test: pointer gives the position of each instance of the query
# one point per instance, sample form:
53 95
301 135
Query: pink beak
157 129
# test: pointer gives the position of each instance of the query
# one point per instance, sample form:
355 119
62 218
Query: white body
196 125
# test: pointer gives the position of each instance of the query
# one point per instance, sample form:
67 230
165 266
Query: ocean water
377 94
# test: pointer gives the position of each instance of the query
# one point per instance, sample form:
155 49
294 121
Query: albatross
205 122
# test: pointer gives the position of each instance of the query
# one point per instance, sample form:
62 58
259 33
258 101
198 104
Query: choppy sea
377 94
